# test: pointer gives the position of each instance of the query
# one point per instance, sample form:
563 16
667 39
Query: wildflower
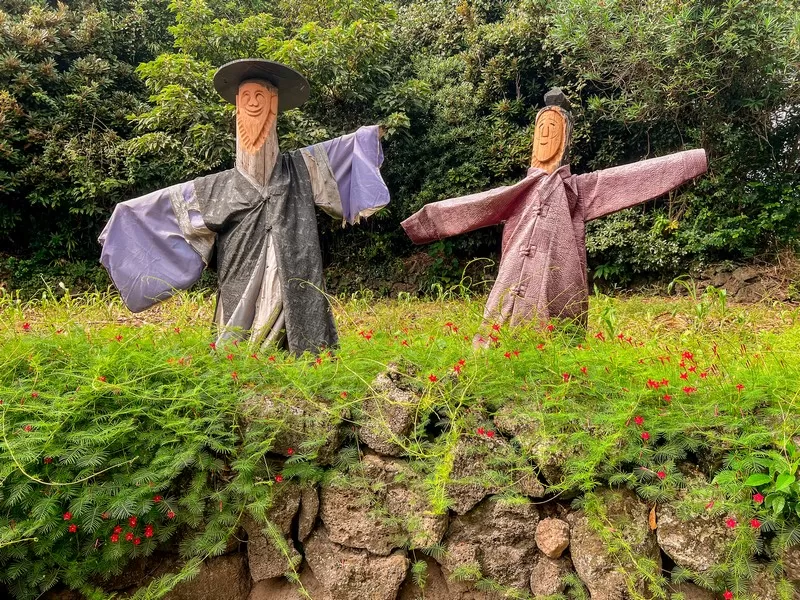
703 374
462 362
343 394
599 335
229 357
129 537
693 368
684 375
235 376
73 528
433 378
118 529
213 346
689 390
584 370
48 460
739 387
710 505
67 516
137 541
755 523
758 498
34 394
667 398
515 352
481 431
565 377
661 475
404 343
102 378
271 358
114 537
550 327
170 515
540 347
688 356
507 354
290 451
494 338
157 499
132 521
254 356
652 384
105 516
148 531
177 330
495 327
645 436
118 337
457 368
664 382
26 326
490 434
638 420
620 336
278 478
27 427
730 522
728 595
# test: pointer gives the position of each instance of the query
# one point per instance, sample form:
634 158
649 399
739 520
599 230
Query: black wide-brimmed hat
293 88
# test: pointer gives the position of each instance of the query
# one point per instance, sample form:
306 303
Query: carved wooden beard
256 111
551 139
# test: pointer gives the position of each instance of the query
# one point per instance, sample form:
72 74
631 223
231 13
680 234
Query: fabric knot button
525 250
518 290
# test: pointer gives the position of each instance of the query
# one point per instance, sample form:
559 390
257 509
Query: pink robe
543 266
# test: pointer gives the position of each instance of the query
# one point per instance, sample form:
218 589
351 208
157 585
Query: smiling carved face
256 111
548 140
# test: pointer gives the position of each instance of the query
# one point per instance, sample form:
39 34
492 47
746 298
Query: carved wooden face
548 140
256 111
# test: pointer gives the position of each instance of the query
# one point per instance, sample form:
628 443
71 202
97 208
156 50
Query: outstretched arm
607 191
459 215
345 174
155 245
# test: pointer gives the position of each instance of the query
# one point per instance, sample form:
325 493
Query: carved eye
259 97
245 96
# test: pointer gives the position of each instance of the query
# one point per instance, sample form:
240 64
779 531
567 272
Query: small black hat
293 88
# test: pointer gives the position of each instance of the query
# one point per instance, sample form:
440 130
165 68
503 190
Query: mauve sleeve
355 160
443 219
144 250
607 191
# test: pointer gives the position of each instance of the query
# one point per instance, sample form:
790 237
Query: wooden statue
542 271
259 218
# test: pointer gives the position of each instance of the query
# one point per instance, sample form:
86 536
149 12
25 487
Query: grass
108 416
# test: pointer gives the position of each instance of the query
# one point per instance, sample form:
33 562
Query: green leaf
757 479
778 504
784 481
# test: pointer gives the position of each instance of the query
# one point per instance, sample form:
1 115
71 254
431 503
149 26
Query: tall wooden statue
259 217
543 265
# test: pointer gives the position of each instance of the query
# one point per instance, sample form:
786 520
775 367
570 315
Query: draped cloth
269 261
542 270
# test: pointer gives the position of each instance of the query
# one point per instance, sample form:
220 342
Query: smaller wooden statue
542 271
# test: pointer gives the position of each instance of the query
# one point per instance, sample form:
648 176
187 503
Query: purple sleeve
145 252
355 160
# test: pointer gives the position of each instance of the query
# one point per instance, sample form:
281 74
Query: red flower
638 420
34 394
118 529
404 343
48 460
599 335
565 377
290 451
755 523
129 537
343 394
684 376
235 376
652 384
177 330
137 541
664 382
661 475
739 387
26 326
693 368
102 378
462 362
157 499
731 522
213 346
132 521
507 354
118 337
667 398
515 353
254 356
758 498
710 505
688 356
148 531
550 327
704 374
27 427
645 436
73 528
540 347
67 516
229 357
584 370
690 390
728 595
271 358
490 434
170 515
496 327
278 478
115 537
457 368
481 431
433 378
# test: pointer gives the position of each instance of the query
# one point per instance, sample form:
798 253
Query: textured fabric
145 251
157 244
355 160
542 270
